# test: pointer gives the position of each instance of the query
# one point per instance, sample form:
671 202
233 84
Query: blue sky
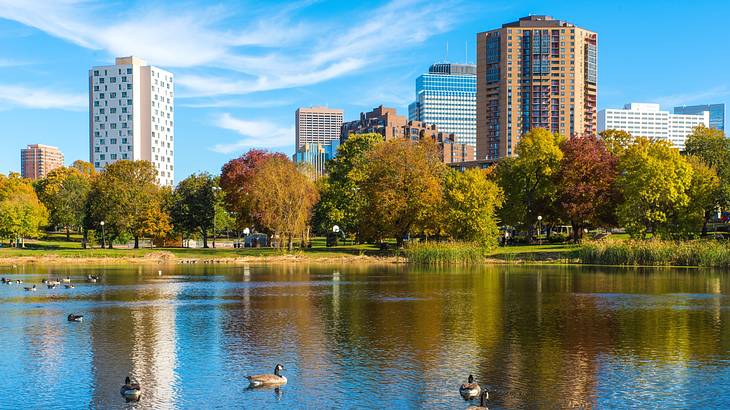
242 68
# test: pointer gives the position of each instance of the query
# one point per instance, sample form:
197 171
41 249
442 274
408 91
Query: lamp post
215 189
539 229
246 231
102 234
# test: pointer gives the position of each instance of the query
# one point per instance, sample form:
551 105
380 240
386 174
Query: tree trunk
205 239
68 233
705 220
291 242
136 242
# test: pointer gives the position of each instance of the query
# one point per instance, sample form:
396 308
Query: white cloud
255 133
269 52
19 96
710 95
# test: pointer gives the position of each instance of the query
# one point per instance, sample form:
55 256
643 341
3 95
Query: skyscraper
131 116
536 72
446 96
717 113
317 125
647 120
37 160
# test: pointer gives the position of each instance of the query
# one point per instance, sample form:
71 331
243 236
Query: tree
654 180
528 180
471 201
64 192
194 205
340 197
129 201
401 182
86 168
616 141
235 179
713 149
586 183
283 198
21 212
705 194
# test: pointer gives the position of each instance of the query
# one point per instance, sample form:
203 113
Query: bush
656 253
444 253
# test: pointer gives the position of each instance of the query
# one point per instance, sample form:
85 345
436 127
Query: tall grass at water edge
444 253
707 253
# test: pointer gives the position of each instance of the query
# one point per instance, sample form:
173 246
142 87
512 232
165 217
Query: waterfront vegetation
396 198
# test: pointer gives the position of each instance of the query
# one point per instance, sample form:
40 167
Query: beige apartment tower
536 72
317 125
37 160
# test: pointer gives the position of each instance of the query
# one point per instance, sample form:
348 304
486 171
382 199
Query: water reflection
369 336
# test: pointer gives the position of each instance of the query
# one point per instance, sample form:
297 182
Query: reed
708 253
444 253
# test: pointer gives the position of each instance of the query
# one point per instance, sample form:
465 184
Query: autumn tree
22 214
129 201
616 141
401 183
340 196
281 198
194 205
64 192
705 195
587 194
235 179
528 180
471 201
654 180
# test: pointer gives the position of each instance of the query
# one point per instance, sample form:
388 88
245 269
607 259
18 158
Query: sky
243 67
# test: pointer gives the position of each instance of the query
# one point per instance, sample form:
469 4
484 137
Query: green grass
707 253
444 253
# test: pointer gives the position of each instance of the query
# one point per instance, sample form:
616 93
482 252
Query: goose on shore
32 289
131 391
67 279
470 389
482 402
273 380
75 318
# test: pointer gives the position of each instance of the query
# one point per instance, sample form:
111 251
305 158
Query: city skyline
237 91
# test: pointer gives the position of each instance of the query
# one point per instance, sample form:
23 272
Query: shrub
657 253
444 253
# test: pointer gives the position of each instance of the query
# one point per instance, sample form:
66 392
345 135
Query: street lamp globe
246 231
335 229
539 217
102 223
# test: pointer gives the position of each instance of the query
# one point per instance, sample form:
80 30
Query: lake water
367 337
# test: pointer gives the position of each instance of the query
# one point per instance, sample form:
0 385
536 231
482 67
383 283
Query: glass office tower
717 113
446 96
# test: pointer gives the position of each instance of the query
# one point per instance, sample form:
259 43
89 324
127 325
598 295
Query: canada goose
75 318
69 286
470 389
482 402
67 279
44 281
18 281
131 391
33 289
51 286
91 278
268 379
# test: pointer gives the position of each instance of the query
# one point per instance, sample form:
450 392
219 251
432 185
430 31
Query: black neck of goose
276 371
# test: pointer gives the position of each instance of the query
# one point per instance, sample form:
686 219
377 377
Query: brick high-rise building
131 116
37 160
317 125
536 72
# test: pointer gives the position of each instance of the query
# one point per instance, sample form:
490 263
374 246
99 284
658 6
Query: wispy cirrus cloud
39 98
256 134
272 50
710 95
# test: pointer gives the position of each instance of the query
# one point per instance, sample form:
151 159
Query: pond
366 336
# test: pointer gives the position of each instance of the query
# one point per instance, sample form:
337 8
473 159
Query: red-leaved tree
236 177
586 183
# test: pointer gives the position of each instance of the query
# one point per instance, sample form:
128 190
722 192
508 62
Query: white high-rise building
648 120
131 116
317 125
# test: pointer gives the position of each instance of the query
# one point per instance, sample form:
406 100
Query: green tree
194 205
616 141
654 180
22 214
282 198
129 201
528 180
401 184
340 197
64 192
471 201
704 195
